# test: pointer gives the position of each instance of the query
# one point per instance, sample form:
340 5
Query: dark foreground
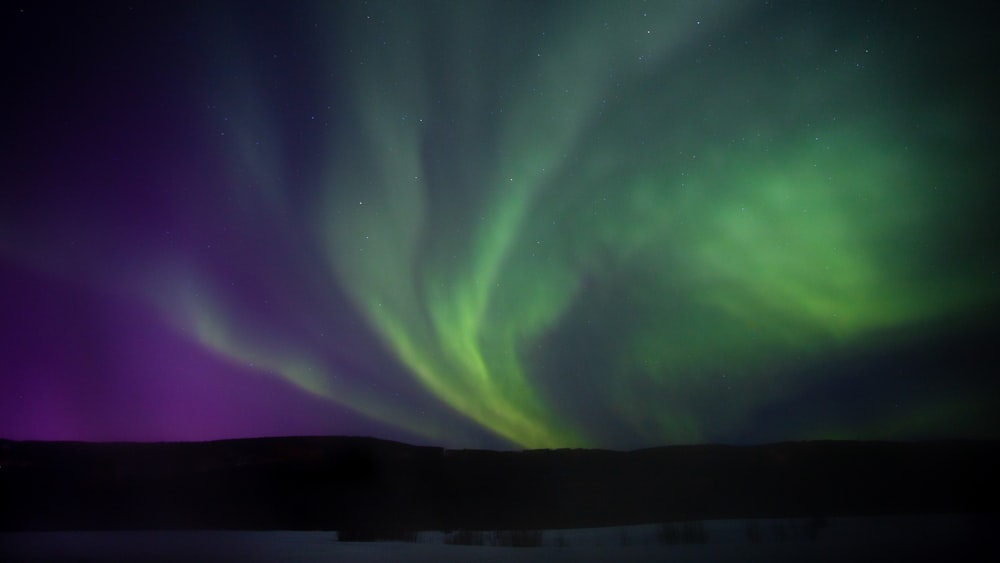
876 539
372 489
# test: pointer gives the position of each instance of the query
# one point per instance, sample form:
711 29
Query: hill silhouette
369 486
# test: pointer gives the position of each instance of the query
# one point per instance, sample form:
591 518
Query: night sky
510 224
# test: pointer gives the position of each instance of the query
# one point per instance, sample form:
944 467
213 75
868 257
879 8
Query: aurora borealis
504 224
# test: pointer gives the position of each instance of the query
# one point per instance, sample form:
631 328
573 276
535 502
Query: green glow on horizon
785 235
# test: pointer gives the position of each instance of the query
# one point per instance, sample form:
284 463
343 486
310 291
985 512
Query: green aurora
573 222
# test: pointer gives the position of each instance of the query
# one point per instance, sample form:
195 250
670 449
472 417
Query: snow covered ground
917 538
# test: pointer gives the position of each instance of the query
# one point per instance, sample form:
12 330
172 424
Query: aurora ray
554 225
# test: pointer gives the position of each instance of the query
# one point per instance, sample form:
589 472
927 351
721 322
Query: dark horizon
368 487
511 449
